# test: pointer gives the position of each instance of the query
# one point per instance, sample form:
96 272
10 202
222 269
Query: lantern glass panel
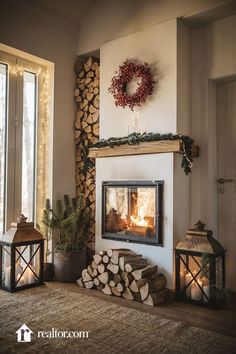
194 277
27 264
219 268
6 266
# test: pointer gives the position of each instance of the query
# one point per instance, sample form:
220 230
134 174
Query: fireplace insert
132 211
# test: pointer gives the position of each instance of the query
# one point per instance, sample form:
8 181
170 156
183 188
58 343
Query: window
23 139
3 101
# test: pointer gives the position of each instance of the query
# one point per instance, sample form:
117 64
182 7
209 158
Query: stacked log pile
87 132
123 273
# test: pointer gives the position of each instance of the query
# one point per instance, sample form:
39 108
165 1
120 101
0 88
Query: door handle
224 180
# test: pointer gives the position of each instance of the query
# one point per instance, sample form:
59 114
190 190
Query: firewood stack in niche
123 273
87 132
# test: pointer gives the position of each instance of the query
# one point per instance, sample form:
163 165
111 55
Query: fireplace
132 211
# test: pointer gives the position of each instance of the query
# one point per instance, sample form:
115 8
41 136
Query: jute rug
111 328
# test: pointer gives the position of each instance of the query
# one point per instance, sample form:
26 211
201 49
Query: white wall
28 28
160 110
108 20
159 114
213 56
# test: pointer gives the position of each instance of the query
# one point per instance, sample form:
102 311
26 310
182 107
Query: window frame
13 140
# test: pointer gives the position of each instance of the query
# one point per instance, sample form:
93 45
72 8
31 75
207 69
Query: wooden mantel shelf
152 147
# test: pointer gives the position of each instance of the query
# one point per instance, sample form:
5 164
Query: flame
139 220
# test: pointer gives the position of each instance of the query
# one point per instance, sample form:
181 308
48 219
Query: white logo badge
23 334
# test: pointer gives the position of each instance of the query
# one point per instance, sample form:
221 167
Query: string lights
42 144
42 139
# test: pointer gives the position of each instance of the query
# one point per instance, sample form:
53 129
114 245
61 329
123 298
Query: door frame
214 77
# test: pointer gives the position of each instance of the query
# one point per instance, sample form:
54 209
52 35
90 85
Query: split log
126 259
116 254
94 265
145 272
96 281
112 283
109 266
88 64
155 299
90 270
89 284
92 109
102 253
115 291
80 282
111 250
94 66
79 115
87 81
95 273
96 129
81 74
132 266
84 93
81 87
84 272
120 287
141 282
96 101
117 278
87 278
104 278
127 294
97 258
90 74
78 99
96 91
114 268
127 277
96 82
105 259
146 289
133 287
107 290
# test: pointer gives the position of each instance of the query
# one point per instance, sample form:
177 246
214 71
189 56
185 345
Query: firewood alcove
87 132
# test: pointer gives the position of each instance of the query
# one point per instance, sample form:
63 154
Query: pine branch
136 138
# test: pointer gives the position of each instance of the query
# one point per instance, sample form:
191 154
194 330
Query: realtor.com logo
24 334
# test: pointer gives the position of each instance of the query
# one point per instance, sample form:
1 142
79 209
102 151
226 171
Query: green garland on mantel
136 138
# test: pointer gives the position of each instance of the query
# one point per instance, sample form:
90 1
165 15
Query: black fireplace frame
158 239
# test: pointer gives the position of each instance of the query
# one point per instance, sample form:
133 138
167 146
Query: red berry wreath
126 73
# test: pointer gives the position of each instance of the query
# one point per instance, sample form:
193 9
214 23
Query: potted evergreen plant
69 225
48 269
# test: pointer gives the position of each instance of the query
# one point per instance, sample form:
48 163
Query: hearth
132 211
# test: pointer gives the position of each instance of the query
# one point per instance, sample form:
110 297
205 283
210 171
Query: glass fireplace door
132 211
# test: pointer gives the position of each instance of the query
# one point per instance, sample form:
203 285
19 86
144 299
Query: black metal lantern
21 257
200 268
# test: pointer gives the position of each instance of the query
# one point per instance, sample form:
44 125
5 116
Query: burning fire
139 220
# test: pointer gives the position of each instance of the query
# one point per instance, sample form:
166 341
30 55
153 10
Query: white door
226 128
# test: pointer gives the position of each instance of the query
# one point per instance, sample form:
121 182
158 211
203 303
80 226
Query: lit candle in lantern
196 293
29 276
188 279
